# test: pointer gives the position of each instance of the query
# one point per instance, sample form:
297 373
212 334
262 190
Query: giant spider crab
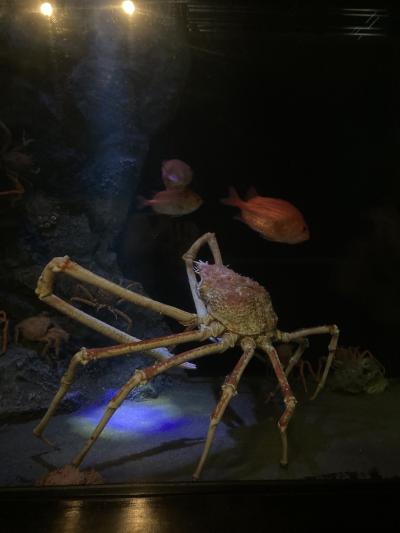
230 310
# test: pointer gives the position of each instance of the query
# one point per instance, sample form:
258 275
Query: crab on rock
230 310
41 328
100 300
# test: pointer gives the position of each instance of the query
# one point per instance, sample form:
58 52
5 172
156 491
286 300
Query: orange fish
176 174
274 219
175 202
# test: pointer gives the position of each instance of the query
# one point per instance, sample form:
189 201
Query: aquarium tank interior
200 242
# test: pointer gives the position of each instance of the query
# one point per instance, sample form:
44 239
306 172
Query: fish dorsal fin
251 193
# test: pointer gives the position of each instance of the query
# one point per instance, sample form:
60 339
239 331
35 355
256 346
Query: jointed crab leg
302 345
311 372
189 257
332 330
122 315
207 238
104 328
140 377
89 299
44 290
85 356
228 390
98 307
46 280
288 397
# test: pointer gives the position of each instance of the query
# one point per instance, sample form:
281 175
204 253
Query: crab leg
229 389
128 287
140 377
190 256
332 330
88 296
288 397
311 372
44 290
99 307
46 280
104 328
85 356
121 314
302 345
83 301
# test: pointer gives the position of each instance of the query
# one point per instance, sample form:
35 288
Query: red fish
274 219
176 174
175 202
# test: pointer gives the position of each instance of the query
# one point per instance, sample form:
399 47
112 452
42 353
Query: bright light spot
133 418
46 9
128 7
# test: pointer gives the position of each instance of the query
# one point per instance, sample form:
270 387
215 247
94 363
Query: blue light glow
132 418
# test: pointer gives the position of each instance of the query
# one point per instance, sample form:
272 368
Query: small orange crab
41 328
231 310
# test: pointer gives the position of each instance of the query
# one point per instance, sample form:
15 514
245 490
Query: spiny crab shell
241 304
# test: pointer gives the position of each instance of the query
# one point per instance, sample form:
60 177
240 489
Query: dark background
300 101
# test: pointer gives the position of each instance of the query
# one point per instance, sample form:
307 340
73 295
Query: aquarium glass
199 241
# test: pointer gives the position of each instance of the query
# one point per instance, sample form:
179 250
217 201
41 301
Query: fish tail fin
141 202
232 199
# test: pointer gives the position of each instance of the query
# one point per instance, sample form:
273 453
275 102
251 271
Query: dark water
310 119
